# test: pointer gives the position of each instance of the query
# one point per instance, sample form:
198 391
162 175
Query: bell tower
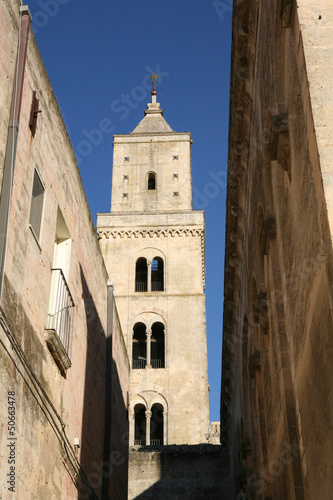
154 248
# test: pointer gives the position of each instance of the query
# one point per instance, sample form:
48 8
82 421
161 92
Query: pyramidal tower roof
153 122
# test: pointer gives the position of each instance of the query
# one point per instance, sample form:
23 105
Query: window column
148 340
148 417
132 429
149 263
165 427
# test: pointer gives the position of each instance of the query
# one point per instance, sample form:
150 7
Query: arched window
139 353
151 181
156 425
157 275
140 425
157 346
141 275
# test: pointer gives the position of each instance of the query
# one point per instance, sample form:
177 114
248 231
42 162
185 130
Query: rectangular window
61 305
36 209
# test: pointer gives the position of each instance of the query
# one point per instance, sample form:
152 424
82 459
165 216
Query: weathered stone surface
277 343
179 472
159 223
52 410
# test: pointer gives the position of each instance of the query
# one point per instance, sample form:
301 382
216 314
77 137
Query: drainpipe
108 393
13 127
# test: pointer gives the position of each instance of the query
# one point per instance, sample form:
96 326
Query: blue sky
98 56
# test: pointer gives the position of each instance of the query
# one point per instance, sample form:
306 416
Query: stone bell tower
154 249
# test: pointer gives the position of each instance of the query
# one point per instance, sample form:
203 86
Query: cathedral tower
154 249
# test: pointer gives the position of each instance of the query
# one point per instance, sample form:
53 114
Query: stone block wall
54 408
183 383
277 340
168 156
120 418
179 472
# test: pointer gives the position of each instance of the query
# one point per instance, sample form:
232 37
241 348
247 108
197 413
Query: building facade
153 245
277 363
54 307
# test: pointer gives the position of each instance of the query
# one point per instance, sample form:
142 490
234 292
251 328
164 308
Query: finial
154 79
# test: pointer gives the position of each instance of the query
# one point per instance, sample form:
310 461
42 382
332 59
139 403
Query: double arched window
148 346
149 425
149 275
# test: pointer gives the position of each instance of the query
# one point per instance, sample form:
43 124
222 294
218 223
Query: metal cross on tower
154 79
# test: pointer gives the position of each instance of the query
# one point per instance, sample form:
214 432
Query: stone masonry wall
52 408
120 418
183 382
168 155
179 472
277 338
150 224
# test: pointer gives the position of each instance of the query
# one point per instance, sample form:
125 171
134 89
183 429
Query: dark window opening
140 425
139 353
151 181
141 275
157 275
157 346
36 208
154 265
156 426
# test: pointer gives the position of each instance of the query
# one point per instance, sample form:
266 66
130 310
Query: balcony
155 442
59 330
138 364
156 286
140 286
157 363
139 442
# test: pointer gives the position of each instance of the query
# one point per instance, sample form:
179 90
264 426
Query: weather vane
154 79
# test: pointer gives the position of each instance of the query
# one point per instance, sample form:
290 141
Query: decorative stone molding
105 233
148 233
149 397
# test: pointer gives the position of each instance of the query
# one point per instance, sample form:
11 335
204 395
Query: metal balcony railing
140 286
139 363
156 286
155 442
139 442
61 315
156 363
